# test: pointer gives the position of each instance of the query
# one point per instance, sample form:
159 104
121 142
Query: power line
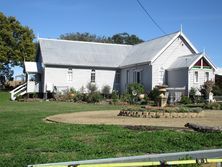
152 19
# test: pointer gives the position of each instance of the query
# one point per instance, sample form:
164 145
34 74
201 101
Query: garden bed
157 112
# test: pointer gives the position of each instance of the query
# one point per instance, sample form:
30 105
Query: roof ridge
72 41
159 37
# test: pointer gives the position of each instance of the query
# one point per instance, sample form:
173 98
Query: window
137 76
127 76
117 77
161 75
196 79
206 77
69 74
93 76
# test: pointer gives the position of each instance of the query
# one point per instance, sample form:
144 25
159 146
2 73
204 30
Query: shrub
106 90
135 87
154 95
185 100
126 97
94 97
192 95
213 106
91 87
114 96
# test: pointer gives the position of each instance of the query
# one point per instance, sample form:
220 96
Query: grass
26 139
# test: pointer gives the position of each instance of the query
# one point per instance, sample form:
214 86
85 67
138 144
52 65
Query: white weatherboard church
170 60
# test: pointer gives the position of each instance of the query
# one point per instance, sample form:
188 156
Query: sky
201 19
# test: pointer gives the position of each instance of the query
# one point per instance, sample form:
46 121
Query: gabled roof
78 53
146 51
188 61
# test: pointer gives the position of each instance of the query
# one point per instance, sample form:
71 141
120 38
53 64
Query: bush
79 97
185 100
91 87
126 97
114 96
106 90
154 95
213 106
135 87
94 97
192 95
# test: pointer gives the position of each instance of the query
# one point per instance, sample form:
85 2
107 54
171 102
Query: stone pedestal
162 100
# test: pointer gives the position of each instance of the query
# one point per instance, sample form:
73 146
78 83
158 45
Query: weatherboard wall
177 49
201 77
146 76
58 76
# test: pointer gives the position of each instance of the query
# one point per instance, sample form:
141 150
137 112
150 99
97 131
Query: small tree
206 88
154 95
106 90
192 95
91 87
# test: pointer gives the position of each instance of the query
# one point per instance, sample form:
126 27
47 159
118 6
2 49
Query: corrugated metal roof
78 53
63 52
146 51
185 61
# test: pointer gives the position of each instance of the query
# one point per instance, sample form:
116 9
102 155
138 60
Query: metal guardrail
202 156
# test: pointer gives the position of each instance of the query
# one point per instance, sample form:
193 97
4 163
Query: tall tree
16 45
120 38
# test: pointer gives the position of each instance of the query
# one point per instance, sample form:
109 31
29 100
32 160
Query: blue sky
201 19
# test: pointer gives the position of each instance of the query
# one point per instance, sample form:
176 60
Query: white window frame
206 76
70 75
196 77
161 75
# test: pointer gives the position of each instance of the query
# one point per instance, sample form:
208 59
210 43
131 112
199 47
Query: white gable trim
203 56
171 41
188 41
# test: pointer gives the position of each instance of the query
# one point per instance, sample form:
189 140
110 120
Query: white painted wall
177 49
146 77
81 77
201 77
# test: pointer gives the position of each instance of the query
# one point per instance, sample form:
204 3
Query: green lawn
26 139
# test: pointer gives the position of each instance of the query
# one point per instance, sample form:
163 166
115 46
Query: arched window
93 76
70 76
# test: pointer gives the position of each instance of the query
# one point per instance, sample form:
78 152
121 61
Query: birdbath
162 100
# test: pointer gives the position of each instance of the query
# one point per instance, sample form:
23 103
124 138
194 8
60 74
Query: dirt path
210 118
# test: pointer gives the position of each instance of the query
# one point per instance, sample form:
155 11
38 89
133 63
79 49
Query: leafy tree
206 88
120 38
125 38
106 90
16 45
